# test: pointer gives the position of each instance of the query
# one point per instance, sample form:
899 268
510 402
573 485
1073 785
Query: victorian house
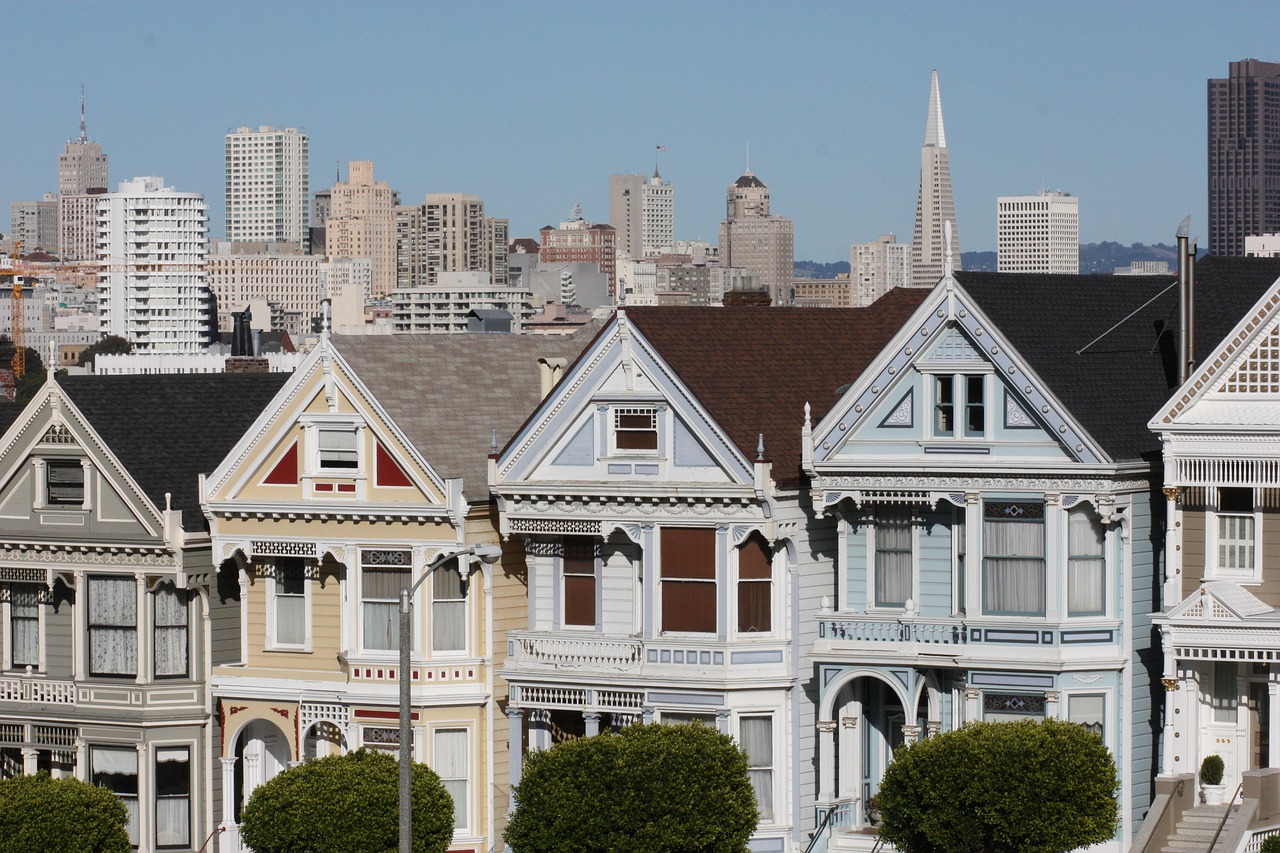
105 573
366 471
992 477
660 502
1218 621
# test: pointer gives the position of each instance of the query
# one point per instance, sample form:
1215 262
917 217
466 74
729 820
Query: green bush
1271 845
1211 770
60 816
346 802
1027 787
647 789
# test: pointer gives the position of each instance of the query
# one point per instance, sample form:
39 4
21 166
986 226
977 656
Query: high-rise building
1038 233
753 240
580 241
82 166
877 267
35 223
362 224
82 177
642 212
78 225
1244 155
268 185
448 232
152 290
935 204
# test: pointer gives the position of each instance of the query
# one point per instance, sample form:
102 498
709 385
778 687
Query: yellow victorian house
370 464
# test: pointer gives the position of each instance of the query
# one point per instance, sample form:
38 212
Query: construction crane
16 334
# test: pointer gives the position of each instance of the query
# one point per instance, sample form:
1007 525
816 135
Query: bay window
116 769
756 735
894 574
755 586
1085 563
688 557
173 796
451 766
24 625
170 632
383 574
290 595
448 609
113 626
1013 559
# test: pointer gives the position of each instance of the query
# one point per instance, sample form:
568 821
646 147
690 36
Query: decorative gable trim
902 415
947 310
1218 601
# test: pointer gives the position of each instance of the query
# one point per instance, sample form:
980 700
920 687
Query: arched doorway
322 739
262 750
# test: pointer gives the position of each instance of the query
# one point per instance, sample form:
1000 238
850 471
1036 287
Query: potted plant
1211 786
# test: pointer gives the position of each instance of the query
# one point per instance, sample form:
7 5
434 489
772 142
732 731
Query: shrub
60 816
647 789
1211 770
346 802
1031 787
1271 845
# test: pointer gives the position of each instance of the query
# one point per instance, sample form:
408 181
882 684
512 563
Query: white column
515 739
252 767
722 721
1273 717
1055 558
80 642
1169 680
1172 592
910 734
850 782
972 705
827 760
228 790
972 553
146 799
591 719
82 759
30 761
87 498
1052 704
142 632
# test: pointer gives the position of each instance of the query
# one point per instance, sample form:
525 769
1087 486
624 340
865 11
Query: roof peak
935 136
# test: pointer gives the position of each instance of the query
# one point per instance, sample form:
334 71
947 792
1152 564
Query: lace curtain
171 631
24 619
113 620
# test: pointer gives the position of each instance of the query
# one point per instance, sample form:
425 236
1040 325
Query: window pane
171 631
945 408
113 635
688 553
1225 698
451 765
64 479
893 557
1087 711
24 624
1013 541
338 449
117 771
1085 563
579 600
173 797
755 587
448 610
757 743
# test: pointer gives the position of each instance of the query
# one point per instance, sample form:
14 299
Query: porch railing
38 691
574 652
863 630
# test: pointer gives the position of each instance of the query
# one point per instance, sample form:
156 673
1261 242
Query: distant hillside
1094 258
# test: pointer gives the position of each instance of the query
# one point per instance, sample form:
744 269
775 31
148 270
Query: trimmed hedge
60 816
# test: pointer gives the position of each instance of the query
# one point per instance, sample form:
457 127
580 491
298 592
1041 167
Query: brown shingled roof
755 369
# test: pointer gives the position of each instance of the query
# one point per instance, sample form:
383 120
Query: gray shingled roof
450 392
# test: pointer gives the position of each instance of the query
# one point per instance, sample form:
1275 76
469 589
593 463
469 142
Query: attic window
338 450
635 428
64 482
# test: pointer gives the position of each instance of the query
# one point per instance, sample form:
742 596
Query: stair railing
817 833
1226 814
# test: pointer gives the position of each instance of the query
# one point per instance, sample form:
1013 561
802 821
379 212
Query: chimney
1186 301
549 370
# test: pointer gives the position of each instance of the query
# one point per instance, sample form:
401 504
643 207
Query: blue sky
532 105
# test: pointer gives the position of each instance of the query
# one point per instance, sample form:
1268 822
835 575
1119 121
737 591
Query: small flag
662 148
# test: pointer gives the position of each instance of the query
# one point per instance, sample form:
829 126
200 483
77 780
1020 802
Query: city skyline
1106 102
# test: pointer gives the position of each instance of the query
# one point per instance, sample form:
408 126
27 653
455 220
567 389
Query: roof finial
493 442
324 325
947 267
83 136
760 448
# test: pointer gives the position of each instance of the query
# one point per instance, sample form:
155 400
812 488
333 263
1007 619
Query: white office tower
151 266
268 185
642 210
935 204
877 267
1038 233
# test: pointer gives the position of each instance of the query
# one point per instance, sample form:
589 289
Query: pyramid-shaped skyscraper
935 204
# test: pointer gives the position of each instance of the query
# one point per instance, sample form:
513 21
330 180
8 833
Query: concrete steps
1195 831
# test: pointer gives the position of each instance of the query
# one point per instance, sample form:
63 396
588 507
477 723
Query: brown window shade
688 579
755 588
579 580
635 429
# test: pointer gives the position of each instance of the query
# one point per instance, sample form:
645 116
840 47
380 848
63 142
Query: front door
1224 719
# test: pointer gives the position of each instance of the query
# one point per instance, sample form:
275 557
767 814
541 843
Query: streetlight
487 554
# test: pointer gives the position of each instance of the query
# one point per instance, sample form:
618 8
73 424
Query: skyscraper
268 185
1038 233
82 176
752 240
361 223
82 166
935 204
877 267
1244 155
642 211
152 289
448 232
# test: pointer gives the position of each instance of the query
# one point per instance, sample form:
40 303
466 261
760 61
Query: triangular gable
621 365
950 328
52 428
1220 601
1246 367
267 464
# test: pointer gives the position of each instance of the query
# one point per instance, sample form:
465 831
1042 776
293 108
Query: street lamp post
487 554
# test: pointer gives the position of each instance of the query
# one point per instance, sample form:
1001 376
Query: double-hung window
338 448
173 796
116 769
1236 528
290 601
1085 563
893 532
959 406
113 626
1088 710
689 579
448 609
635 429
1013 559
383 574
24 625
579 567
756 734
170 632
64 482
755 586
451 766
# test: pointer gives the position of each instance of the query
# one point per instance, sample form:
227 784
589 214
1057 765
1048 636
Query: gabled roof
450 393
167 429
1106 345
754 369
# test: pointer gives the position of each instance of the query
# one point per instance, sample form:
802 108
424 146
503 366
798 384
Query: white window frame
1106 694
1068 558
430 590
192 807
360 600
272 643
871 562
773 757
314 425
1213 537
959 375
735 582
135 823
467 815
618 410
562 582
6 624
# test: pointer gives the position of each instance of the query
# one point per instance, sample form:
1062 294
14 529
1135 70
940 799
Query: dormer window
64 482
960 406
339 450
635 429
